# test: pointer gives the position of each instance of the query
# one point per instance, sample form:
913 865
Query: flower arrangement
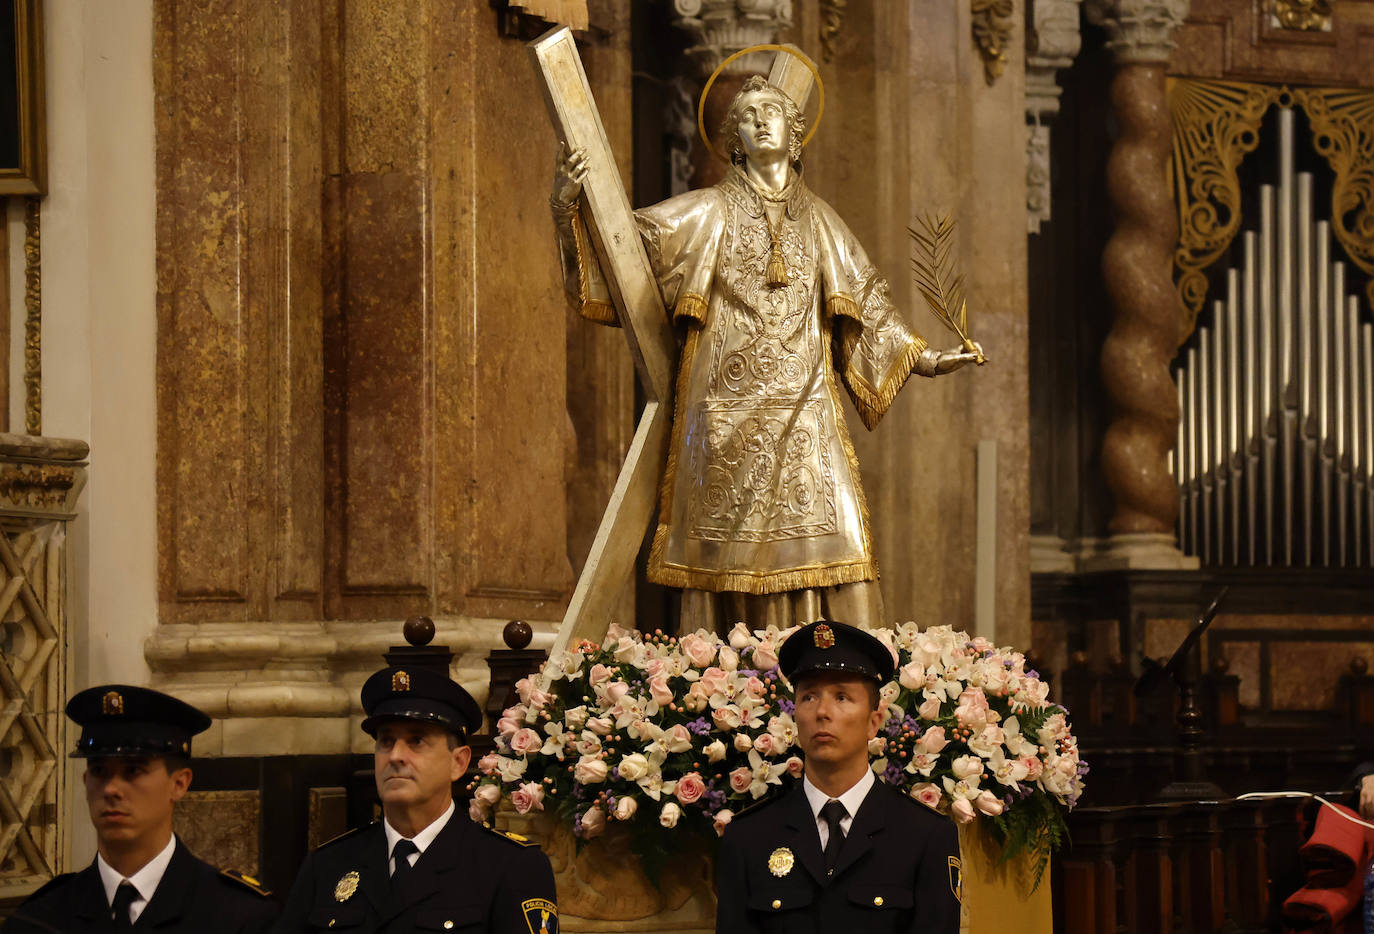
659 732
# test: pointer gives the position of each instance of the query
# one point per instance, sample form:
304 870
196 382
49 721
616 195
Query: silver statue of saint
762 517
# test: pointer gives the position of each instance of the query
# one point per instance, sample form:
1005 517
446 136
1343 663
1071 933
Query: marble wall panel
1239 40
222 828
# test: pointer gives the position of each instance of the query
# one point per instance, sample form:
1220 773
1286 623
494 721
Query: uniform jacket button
331 922
877 901
448 925
777 903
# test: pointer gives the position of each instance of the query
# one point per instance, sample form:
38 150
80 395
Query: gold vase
998 896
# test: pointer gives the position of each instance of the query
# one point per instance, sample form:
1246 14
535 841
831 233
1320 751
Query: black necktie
832 813
119 911
399 852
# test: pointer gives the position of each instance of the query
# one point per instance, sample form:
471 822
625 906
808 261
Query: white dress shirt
144 881
421 840
851 800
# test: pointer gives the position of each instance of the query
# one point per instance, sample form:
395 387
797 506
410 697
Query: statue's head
756 93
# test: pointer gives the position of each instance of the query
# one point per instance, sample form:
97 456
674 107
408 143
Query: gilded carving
33 321
1343 133
1216 123
1305 15
992 23
832 24
35 486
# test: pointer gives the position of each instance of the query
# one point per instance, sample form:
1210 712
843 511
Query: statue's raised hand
569 171
934 362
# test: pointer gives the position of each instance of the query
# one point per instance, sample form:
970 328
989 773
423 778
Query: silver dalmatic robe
761 492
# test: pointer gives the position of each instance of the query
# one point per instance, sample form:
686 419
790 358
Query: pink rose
1033 767
722 820
589 771
670 815
765 657
593 823
755 688
966 767
529 796
912 676
729 658
932 740
616 690
525 742
598 674
678 738
697 698
930 708
507 726
655 667
659 691
795 767
728 717
625 807
973 707
488 794
927 794
600 725
962 810
699 650
487 764
690 787
740 780
476 813
530 695
714 681
766 744
988 803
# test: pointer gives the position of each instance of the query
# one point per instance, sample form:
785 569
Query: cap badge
400 681
824 637
781 861
346 886
112 704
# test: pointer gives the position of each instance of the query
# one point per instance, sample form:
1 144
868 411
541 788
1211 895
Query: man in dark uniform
137 744
842 852
423 866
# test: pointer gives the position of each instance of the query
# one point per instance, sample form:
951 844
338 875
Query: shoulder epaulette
247 882
508 835
345 835
758 806
53 883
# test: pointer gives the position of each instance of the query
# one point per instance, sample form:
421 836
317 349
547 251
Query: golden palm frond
935 278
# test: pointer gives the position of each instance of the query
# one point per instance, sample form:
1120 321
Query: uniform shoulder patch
521 839
247 882
541 915
345 835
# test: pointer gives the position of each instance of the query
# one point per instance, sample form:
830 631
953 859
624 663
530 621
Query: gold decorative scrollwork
992 22
33 321
1306 15
1343 133
832 23
1216 123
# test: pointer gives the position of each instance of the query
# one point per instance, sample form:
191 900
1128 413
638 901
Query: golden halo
701 101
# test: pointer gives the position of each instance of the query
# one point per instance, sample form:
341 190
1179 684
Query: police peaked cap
419 694
837 647
125 721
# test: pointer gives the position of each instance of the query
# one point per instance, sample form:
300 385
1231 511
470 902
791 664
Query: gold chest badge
346 886
781 861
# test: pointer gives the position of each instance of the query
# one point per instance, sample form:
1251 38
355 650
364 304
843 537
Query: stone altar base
602 890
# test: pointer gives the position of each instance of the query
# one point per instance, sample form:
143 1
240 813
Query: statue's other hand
953 359
569 171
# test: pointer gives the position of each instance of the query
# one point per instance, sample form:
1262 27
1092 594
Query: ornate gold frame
30 175
1216 124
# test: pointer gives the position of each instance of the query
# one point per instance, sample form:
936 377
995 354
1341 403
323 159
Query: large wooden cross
634 290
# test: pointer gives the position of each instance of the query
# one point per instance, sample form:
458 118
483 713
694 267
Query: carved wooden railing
1182 867
40 481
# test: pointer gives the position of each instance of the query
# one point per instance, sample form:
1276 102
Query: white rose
625 807
743 743
668 817
715 752
633 767
488 794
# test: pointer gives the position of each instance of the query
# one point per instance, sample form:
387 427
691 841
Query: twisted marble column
1136 266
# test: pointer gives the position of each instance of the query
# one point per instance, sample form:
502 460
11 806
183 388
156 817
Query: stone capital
720 28
1138 31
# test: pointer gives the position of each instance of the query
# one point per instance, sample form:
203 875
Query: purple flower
786 706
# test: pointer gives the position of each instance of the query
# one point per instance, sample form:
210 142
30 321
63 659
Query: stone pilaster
1052 42
1136 267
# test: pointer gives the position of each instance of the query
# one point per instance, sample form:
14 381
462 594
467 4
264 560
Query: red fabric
1335 856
